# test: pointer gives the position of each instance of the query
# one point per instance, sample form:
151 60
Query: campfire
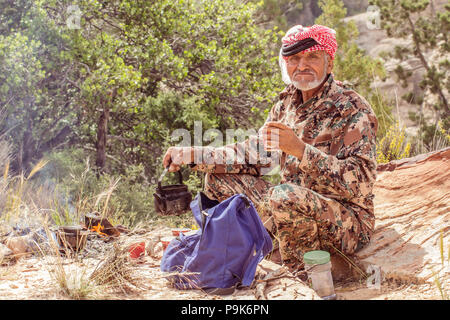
74 238
101 225
98 228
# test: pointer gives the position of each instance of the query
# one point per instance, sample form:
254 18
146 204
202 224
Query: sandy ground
30 279
34 278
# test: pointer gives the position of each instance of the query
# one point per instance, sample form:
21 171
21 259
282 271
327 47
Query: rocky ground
39 277
407 258
31 278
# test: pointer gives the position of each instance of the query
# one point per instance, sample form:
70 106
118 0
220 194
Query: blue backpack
225 251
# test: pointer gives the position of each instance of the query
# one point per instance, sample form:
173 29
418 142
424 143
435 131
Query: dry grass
363 275
72 284
26 205
18 197
76 284
115 272
77 280
437 280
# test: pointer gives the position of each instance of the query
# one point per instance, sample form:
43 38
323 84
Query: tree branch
425 63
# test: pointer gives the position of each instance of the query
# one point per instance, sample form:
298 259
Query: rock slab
411 241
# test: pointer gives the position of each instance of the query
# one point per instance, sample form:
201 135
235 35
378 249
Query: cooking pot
172 199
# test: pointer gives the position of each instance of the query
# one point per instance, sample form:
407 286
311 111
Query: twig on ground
262 283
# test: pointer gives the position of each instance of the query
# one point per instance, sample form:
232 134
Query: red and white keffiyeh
324 36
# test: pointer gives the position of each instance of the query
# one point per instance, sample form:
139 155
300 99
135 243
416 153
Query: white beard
305 86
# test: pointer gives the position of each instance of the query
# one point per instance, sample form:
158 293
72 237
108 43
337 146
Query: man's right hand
177 156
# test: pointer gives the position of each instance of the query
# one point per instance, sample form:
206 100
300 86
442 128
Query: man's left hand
278 136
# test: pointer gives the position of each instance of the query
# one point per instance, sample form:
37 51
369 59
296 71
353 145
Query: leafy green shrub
383 112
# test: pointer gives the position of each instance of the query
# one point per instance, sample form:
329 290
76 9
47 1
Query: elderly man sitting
325 135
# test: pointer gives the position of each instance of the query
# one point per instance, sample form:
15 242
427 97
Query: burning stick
98 228
103 227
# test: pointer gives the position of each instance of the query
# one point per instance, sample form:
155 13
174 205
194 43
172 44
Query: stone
412 210
20 245
6 255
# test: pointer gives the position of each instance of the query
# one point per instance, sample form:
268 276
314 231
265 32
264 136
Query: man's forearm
242 157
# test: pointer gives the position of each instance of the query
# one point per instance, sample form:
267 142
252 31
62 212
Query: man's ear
330 64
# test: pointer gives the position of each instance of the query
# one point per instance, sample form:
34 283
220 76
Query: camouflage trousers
299 218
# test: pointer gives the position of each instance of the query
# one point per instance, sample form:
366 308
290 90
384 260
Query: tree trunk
102 132
419 54
26 151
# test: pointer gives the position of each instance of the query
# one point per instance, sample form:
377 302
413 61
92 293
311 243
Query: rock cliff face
412 209
310 11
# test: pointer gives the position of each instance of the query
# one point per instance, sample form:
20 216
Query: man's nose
301 66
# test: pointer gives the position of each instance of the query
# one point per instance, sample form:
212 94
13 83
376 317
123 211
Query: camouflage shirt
339 128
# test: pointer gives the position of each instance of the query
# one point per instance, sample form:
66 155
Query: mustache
307 71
